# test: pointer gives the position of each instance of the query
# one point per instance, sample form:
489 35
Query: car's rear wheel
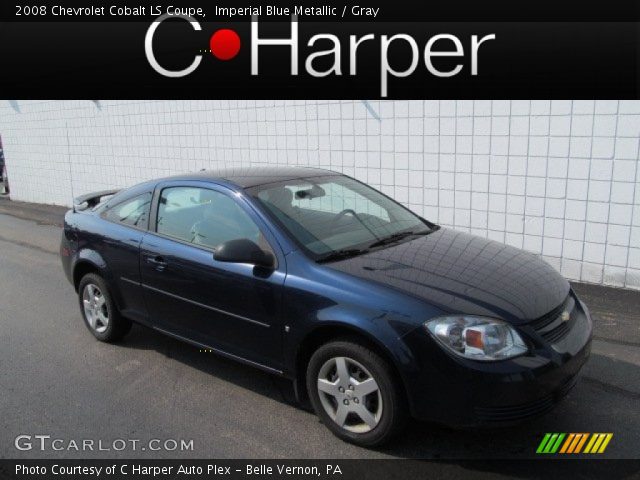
100 314
354 392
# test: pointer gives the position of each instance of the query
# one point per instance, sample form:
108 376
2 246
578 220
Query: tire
386 405
98 310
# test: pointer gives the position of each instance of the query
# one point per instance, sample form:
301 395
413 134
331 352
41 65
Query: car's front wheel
100 314
355 393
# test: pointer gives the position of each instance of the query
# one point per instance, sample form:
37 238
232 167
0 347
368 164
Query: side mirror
243 250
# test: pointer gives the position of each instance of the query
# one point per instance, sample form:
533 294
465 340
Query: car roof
254 176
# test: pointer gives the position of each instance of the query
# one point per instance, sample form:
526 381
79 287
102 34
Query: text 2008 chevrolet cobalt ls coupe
375 313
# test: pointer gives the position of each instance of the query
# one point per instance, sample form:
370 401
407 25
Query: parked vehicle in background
3 171
5 179
373 312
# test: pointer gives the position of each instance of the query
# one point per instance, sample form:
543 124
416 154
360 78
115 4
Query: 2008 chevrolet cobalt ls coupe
374 312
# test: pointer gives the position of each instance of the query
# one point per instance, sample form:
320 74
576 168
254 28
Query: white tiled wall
558 178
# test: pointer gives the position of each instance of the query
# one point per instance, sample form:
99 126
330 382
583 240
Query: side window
133 212
204 217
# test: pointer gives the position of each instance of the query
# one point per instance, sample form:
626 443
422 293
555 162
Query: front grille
557 333
551 327
515 412
548 318
525 410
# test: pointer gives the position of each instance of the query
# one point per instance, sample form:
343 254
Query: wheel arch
333 331
90 261
87 261
82 268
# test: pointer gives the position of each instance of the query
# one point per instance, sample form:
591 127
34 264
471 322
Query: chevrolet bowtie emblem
565 316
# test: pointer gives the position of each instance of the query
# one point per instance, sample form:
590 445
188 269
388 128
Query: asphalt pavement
57 380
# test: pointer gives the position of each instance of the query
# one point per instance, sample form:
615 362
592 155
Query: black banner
313 469
320 50
325 11
350 60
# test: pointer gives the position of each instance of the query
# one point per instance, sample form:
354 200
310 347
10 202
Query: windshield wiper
396 237
354 252
342 254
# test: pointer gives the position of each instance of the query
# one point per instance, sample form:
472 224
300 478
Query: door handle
158 262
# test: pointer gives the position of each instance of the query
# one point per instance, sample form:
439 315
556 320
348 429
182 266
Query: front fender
376 328
301 343
321 303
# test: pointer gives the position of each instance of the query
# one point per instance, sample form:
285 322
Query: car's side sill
220 352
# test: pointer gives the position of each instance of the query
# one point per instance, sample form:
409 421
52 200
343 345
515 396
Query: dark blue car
373 312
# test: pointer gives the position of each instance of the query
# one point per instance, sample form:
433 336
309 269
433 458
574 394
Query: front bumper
460 392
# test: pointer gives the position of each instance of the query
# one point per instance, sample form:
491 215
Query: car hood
463 273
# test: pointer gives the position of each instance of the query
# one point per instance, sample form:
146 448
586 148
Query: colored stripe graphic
605 443
556 445
550 443
567 442
598 443
543 443
594 437
573 443
576 439
581 442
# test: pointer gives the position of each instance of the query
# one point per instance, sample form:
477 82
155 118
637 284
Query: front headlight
477 338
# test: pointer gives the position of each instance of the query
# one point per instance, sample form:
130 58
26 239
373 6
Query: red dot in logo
225 44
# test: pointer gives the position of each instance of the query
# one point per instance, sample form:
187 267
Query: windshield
335 213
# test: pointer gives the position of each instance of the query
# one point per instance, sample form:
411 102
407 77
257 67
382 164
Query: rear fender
90 260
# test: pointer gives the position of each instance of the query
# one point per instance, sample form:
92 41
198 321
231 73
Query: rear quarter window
133 212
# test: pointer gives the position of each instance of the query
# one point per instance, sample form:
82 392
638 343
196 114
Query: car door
231 307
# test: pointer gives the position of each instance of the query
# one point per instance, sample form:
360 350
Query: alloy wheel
95 308
349 394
